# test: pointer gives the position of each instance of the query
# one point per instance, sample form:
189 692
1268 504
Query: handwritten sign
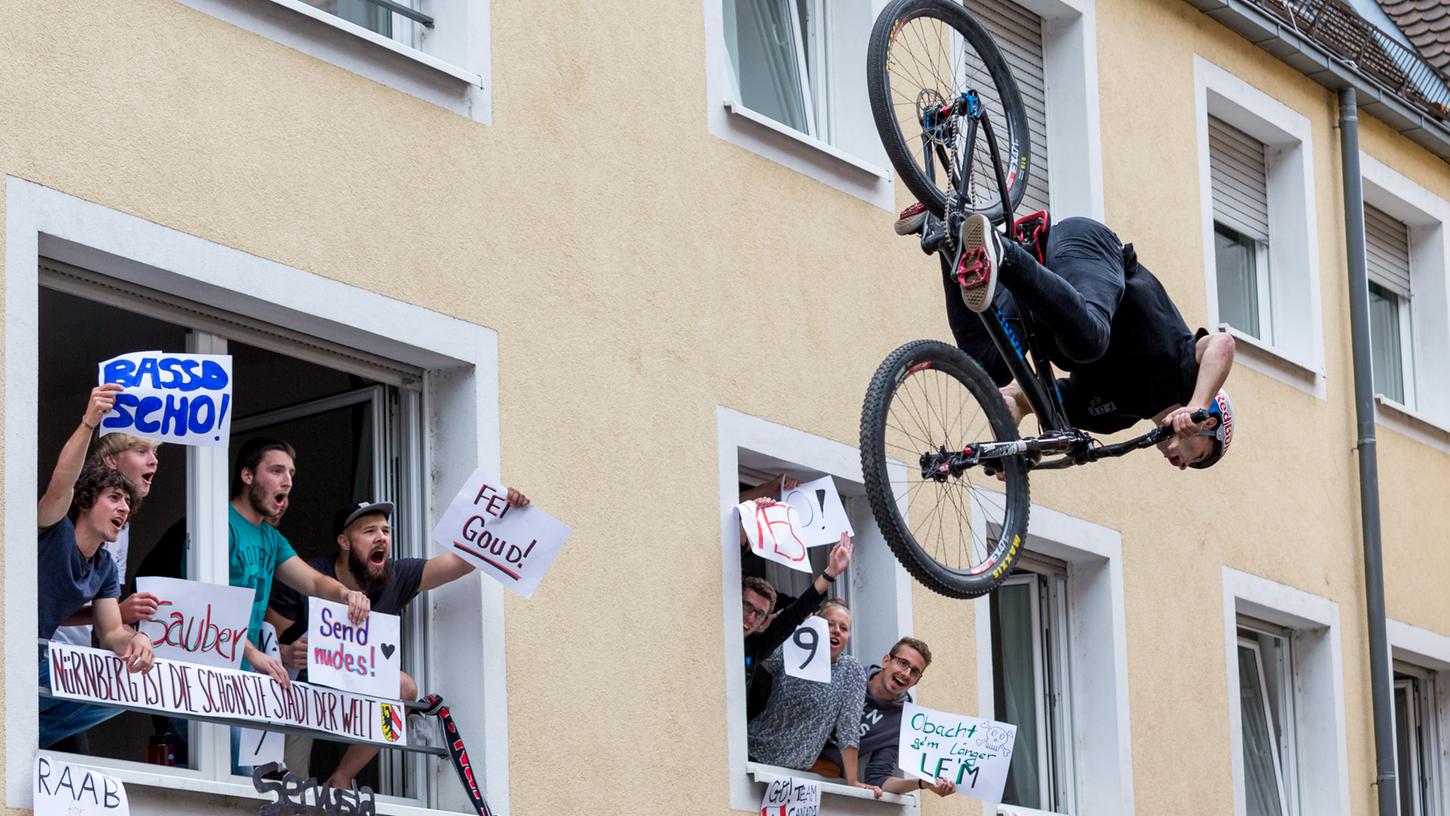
973 753
63 789
297 795
180 398
512 545
360 657
254 745
172 687
791 797
773 530
808 652
821 513
197 622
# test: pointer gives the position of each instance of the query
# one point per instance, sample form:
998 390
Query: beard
371 582
261 502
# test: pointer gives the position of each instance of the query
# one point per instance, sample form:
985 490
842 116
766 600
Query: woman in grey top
802 714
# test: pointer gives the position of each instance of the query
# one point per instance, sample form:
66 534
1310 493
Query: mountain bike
954 127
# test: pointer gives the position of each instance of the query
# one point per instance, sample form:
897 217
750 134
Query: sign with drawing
807 653
364 657
972 753
180 398
171 687
791 797
197 622
820 511
512 545
773 530
63 789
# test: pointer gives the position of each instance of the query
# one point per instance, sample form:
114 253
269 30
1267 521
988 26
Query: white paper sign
99 676
255 746
973 753
791 797
808 651
63 789
363 657
512 545
197 622
822 516
773 530
181 398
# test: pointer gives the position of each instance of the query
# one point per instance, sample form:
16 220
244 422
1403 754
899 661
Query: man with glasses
886 695
763 635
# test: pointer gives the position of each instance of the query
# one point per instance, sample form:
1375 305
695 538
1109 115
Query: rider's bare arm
1215 355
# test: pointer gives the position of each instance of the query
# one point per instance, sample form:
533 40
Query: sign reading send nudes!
361 657
197 622
181 398
512 545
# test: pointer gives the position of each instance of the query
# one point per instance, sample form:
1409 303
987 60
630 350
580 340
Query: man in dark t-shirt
363 562
1103 319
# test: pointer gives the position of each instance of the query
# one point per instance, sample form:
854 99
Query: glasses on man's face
752 612
911 671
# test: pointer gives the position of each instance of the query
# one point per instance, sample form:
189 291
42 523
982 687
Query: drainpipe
1369 489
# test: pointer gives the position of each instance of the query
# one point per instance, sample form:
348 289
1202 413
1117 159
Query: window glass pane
1404 739
1238 283
1261 780
368 15
1014 680
765 54
1384 337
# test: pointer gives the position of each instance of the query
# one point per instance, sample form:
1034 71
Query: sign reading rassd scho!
180 398
512 545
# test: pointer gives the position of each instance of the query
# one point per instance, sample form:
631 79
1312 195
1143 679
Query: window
437 51
1415 739
1030 680
1259 233
318 373
1286 700
877 589
1266 707
1387 253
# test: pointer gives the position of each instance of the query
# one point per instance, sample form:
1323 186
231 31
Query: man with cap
363 562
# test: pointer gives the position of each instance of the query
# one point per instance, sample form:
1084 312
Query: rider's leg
1075 294
967 328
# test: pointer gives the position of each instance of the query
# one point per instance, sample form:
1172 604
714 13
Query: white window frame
1321 774
1427 216
1096 646
1429 652
874 573
1296 353
450 67
460 361
1070 65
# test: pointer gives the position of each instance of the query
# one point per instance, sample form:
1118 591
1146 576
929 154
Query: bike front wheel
923 55
955 530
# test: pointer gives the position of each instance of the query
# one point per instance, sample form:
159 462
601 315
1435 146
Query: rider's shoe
911 219
981 249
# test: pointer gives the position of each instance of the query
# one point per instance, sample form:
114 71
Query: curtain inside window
1261 780
1238 281
1384 339
1015 682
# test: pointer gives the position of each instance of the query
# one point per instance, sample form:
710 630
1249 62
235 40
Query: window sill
737 109
136 774
1275 362
382 42
763 773
1018 810
1411 423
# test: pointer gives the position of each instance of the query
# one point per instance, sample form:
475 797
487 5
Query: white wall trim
1298 321
1097 622
737 431
1318 672
462 363
452 70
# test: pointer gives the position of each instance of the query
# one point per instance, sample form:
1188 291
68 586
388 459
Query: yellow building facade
565 243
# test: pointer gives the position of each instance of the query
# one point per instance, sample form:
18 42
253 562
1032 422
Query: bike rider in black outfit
1108 323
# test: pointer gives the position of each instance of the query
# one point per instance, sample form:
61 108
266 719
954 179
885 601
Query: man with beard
363 562
886 695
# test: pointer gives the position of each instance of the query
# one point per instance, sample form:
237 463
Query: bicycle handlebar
1148 439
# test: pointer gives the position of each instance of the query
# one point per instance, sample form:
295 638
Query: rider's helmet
1222 433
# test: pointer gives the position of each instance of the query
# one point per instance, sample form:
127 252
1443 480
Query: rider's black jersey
1149 365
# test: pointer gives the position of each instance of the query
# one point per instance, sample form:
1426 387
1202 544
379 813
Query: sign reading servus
180 398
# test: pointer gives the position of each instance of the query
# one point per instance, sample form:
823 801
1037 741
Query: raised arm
298 574
58 494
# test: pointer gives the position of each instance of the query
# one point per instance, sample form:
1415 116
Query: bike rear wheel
925 54
957 536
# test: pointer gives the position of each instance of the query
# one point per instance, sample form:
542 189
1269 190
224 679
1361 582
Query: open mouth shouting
146 477
378 558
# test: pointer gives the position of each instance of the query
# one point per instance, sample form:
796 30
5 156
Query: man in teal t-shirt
261 483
